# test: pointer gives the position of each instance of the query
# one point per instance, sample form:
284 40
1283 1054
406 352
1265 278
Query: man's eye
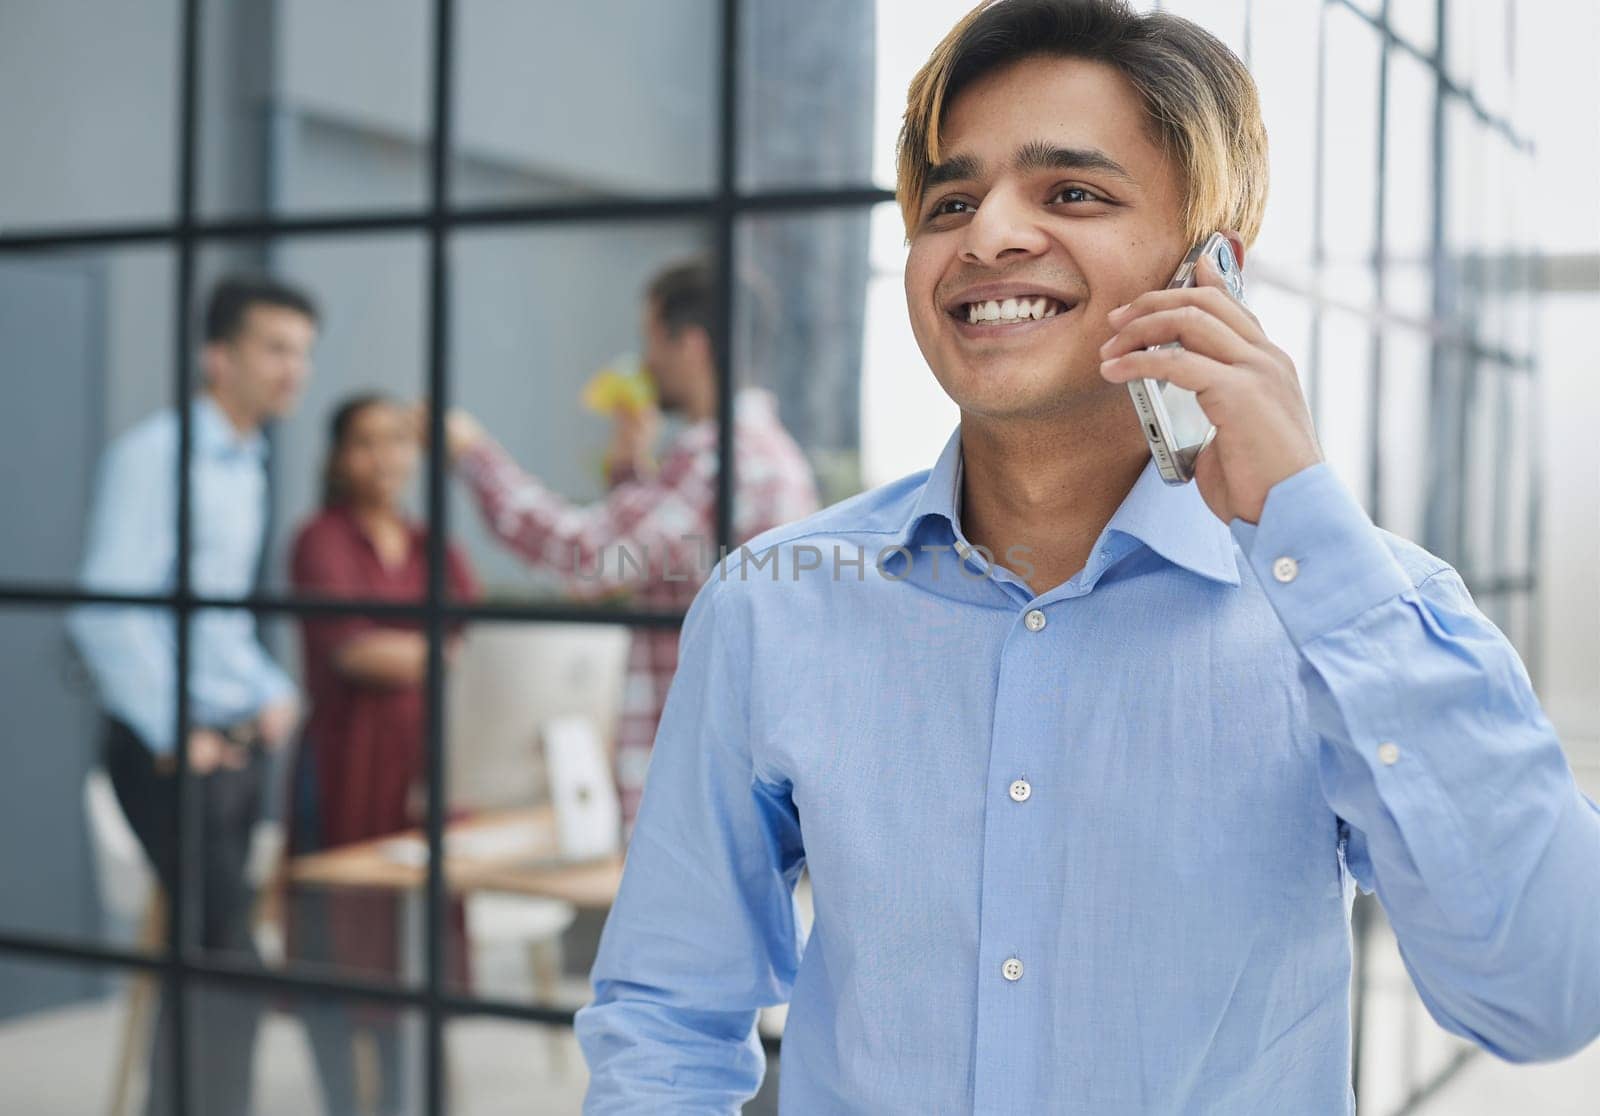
943 208
1077 190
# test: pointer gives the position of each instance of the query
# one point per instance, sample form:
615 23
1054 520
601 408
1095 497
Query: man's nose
1005 225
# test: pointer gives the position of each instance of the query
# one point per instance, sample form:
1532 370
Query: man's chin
1025 393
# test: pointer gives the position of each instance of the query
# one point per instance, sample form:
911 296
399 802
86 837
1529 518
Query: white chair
531 923
130 897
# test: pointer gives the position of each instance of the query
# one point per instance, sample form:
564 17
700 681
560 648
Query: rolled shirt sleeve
1456 800
129 650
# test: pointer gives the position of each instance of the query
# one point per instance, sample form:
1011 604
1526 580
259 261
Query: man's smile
1012 317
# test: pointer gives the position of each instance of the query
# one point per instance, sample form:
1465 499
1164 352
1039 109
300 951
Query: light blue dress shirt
1091 850
132 548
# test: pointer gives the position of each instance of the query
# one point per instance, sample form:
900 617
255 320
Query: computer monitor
508 682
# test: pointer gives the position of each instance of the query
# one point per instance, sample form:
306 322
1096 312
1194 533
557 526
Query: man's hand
633 438
209 750
462 432
278 721
1246 385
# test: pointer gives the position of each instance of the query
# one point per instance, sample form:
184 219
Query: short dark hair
234 295
685 294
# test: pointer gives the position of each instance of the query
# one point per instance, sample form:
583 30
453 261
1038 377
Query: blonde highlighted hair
1203 111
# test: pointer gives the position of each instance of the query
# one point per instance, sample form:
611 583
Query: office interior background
476 192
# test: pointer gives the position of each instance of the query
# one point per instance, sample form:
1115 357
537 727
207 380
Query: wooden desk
502 850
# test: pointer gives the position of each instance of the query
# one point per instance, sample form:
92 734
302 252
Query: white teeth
1013 310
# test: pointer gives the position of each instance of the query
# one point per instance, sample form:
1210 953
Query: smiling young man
1084 826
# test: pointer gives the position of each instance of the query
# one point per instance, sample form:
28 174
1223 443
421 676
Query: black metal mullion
180 900
552 612
438 529
644 208
296 983
726 249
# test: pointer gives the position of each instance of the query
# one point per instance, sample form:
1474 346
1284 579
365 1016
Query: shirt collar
1171 520
215 436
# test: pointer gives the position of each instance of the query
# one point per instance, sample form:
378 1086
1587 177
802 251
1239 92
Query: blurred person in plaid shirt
655 531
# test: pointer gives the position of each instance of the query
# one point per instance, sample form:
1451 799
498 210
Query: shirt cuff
1317 555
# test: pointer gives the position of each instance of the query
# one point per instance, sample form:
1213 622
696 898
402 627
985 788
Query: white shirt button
1388 753
1285 569
1012 969
1034 620
1021 791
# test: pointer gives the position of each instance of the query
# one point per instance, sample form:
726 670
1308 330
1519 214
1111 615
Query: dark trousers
222 1022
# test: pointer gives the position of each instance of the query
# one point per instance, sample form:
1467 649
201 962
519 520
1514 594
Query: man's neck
1050 486
701 407
243 423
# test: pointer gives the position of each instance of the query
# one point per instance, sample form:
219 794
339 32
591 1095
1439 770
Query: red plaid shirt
655 535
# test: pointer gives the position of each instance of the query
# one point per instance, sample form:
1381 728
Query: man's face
1013 211
264 367
670 361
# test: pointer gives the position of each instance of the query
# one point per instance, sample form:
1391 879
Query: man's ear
1236 242
213 361
698 342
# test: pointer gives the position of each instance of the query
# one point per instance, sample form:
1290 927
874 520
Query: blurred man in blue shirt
1086 768
258 338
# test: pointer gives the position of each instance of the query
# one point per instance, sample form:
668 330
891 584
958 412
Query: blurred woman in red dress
360 771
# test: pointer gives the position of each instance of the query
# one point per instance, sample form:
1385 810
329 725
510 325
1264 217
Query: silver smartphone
1173 422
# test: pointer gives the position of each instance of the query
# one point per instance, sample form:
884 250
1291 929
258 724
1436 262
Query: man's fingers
1192 325
1213 299
1189 370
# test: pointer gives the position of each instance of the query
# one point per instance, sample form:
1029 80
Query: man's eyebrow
958 169
1039 155
1031 156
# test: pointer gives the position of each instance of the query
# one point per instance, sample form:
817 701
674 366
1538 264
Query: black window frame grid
180 967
